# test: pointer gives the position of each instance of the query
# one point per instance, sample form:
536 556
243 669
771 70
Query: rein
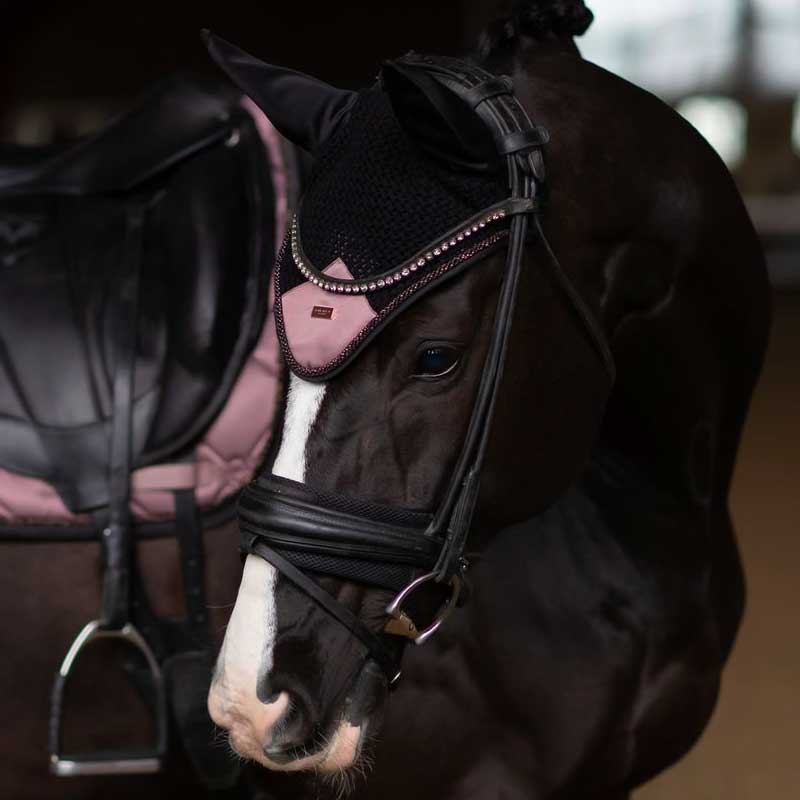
288 526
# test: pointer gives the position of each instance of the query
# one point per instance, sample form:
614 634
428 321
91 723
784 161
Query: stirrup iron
107 762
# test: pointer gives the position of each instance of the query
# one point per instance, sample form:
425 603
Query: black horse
605 589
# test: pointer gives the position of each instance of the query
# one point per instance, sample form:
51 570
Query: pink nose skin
275 734
249 722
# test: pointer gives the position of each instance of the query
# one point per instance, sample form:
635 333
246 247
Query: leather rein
297 530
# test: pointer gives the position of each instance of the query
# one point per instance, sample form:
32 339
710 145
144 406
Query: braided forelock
538 19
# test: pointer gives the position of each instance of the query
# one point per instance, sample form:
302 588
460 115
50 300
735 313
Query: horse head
388 292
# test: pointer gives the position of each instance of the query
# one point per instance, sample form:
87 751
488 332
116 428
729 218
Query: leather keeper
492 87
521 141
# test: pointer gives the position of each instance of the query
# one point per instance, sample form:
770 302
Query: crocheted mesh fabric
374 199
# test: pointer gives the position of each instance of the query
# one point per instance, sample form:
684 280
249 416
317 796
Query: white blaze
302 406
247 652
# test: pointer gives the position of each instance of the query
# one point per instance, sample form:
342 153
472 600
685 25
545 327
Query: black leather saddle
189 166
134 272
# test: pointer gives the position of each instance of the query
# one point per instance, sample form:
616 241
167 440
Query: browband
402 272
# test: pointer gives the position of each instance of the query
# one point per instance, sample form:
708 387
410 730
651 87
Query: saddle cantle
196 163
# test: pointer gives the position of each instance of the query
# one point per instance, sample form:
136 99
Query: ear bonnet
407 190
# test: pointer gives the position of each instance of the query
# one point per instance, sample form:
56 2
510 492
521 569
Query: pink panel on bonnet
231 449
319 325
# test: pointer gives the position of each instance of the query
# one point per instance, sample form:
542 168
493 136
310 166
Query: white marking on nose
246 657
302 406
250 637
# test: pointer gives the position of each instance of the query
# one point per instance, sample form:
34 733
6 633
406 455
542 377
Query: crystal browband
429 254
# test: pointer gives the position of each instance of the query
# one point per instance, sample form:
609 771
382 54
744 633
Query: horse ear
437 119
305 110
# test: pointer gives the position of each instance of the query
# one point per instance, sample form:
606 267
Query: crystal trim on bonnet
426 256
477 247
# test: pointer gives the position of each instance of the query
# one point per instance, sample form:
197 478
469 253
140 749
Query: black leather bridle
298 530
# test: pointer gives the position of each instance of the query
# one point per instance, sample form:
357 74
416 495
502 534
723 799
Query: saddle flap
207 243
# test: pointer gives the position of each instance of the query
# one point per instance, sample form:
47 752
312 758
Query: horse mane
537 19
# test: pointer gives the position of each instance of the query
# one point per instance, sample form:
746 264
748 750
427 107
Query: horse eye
436 362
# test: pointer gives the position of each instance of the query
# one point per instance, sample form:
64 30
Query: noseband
298 530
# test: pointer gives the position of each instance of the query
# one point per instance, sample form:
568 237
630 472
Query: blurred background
732 67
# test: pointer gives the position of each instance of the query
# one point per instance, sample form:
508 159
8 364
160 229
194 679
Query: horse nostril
269 699
292 732
266 692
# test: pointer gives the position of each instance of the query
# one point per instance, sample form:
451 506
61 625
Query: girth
286 524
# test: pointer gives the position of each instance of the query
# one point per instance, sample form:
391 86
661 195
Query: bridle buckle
401 623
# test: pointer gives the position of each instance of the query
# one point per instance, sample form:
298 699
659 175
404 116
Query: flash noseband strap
376 647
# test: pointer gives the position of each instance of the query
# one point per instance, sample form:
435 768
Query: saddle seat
192 161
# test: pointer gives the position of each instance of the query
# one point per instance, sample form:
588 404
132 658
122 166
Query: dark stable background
55 54
52 51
